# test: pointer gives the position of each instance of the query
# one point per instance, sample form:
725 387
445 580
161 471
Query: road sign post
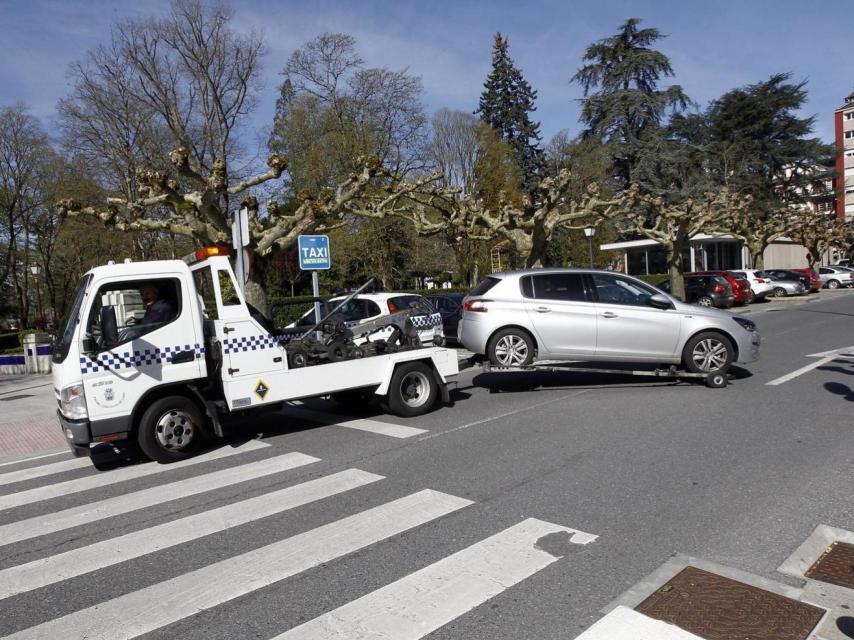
314 256
240 239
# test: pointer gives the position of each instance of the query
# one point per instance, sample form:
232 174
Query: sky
713 45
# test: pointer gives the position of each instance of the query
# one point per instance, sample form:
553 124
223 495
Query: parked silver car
785 285
579 314
835 277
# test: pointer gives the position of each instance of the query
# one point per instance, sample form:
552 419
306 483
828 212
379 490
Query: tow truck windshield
60 349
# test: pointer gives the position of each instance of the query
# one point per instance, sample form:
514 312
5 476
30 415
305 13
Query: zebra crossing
408 608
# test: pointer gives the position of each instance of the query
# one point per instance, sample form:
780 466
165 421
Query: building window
849 134
849 154
849 115
824 207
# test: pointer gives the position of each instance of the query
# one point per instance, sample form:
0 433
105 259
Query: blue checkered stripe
425 322
110 361
250 343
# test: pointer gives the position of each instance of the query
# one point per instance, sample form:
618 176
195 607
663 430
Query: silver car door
630 329
561 313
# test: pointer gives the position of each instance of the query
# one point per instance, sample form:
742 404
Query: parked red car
740 286
815 281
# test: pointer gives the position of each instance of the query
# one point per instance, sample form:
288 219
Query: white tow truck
162 353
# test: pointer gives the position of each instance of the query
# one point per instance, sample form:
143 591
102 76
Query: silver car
784 286
835 277
517 317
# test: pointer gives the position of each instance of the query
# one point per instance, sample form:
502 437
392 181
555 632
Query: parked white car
370 306
835 277
760 284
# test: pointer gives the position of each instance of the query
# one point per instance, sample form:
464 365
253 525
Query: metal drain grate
836 565
25 395
718 608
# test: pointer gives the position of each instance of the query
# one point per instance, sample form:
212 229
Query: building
706 252
844 127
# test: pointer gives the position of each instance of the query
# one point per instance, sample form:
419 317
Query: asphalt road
738 476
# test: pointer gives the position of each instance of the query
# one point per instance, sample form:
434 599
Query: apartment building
844 125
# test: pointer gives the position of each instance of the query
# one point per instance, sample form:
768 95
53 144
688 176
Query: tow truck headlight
72 402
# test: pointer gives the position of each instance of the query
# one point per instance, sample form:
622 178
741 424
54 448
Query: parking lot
584 483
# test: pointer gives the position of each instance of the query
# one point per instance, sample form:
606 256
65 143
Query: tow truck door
253 360
149 352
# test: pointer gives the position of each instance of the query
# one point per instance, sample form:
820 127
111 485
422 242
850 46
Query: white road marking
825 358
45 455
432 597
801 371
44 470
627 624
373 426
119 475
502 415
86 513
76 562
140 612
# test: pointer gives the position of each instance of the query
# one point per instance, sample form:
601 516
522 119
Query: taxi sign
314 253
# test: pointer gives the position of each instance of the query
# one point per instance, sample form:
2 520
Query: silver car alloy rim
705 302
175 430
414 389
709 355
511 350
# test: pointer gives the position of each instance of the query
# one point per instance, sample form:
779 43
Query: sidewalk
28 416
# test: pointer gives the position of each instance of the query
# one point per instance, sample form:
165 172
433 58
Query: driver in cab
157 310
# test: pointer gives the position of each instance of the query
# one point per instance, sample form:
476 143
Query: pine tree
623 105
505 105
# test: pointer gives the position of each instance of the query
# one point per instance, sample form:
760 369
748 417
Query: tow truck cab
161 352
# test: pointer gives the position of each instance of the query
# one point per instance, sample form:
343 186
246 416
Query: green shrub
655 279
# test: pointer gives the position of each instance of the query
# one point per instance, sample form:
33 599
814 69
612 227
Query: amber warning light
206 252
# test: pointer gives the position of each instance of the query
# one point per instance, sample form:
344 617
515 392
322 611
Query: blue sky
714 45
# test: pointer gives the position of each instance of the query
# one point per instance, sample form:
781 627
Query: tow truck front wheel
413 390
170 429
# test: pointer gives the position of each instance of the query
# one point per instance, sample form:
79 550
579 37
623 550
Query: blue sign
314 253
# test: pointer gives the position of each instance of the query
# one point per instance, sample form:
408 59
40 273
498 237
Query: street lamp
35 271
589 232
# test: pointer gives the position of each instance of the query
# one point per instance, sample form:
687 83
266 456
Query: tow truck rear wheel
413 390
170 429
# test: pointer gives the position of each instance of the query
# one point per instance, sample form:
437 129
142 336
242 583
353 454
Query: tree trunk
756 249
674 270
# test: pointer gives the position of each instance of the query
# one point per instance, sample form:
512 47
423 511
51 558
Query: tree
526 227
24 154
622 101
754 142
332 109
197 78
672 224
818 233
475 161
505 105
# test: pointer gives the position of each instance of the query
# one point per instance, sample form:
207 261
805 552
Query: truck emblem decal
261 389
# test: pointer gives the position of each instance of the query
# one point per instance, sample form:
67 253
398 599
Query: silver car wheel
705 301
709 355
779 292
511 350
414 389
175 430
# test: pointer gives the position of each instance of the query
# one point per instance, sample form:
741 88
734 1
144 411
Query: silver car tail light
478 306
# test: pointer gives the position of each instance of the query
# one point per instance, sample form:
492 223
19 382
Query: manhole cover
836 565
718 608
25 395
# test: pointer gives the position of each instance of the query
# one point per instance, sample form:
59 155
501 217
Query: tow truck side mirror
109 326
88 346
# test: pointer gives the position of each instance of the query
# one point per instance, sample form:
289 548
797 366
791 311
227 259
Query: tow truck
162 354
